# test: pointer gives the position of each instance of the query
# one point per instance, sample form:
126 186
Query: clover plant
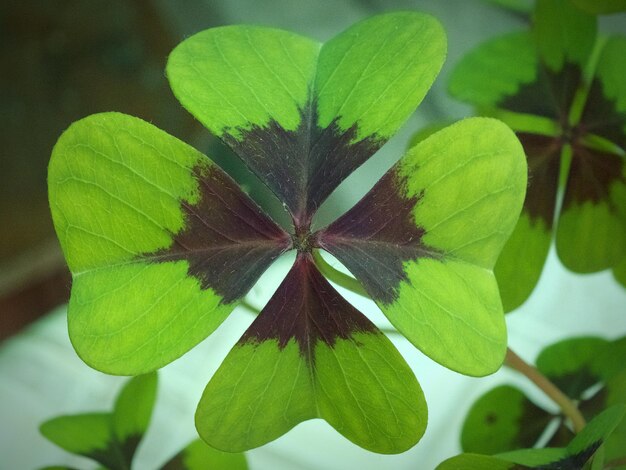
585 368
111 439
561 87
163 245
575 456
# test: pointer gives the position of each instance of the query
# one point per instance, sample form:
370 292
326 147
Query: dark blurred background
63 60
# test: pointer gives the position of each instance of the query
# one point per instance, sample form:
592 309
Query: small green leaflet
162 244
108 438
561 88
111 439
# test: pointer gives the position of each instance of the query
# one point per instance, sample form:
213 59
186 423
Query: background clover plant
111 439
162 244
560 86
585 368
575 456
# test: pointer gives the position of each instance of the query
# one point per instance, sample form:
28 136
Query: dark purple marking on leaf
227 240
175 463
562 435
543 155
591 175
114 456
306 308
572 462
601 116
575 383
377 236
532 423
302 167
549 95
129 446
593 406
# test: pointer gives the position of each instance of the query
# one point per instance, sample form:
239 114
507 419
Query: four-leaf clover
162 244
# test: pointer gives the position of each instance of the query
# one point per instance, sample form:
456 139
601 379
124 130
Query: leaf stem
336 276
568 407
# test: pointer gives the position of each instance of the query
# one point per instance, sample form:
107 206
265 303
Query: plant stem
336 276
568 407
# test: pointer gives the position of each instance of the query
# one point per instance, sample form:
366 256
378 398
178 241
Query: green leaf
610 71
477 462
591 232
535 458
454 200
503 419
510 61
574 364
310 354
89 435
616 395
427 131
521 262
292 108
597 430
597 7
135 207
235 77
563 34
199 456
132 412
378 92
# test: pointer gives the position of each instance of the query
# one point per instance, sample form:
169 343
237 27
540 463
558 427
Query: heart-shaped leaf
89 435
108 438
300 114
324 360
135 207
454 199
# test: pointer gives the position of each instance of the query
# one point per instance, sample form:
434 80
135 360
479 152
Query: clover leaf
574 456
601 6
561 88
587 369
111 439
163 245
